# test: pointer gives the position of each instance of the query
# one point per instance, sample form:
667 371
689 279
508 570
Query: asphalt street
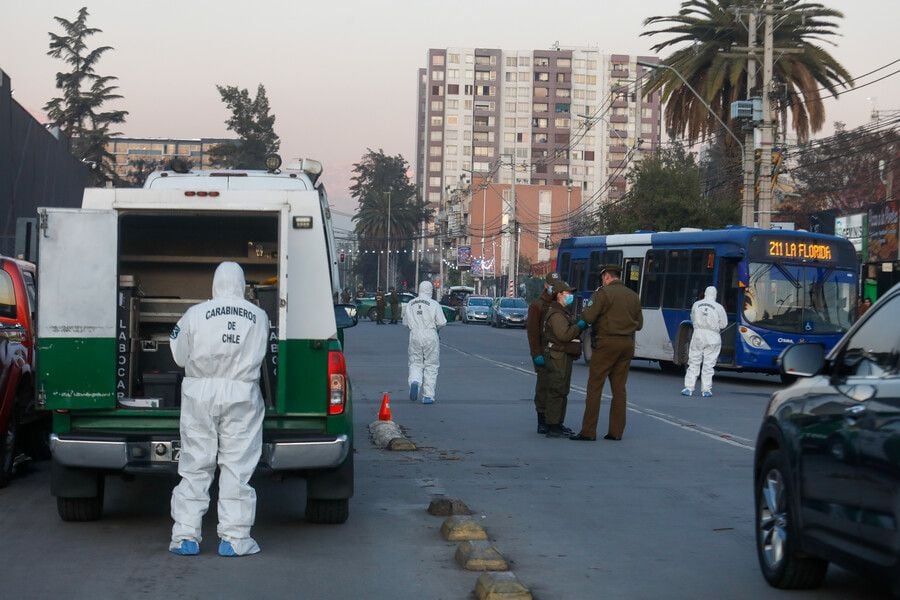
665 513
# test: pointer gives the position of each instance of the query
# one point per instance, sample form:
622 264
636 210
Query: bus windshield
799 299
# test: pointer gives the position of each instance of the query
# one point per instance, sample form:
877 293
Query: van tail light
337 383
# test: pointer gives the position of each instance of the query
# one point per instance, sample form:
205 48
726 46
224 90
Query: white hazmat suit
709 319
221 344
424 317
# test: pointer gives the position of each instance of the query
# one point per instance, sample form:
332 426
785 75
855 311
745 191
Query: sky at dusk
341 76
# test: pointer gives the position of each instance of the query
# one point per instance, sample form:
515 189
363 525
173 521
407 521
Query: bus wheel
667 366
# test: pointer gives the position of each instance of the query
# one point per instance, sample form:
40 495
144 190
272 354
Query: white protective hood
710 294
425 289
228 282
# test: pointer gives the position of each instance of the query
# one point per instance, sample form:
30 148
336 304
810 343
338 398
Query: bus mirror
743 274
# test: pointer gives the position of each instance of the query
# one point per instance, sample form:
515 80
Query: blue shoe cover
707 394
686 392
414 391
225 549
427 400
187 548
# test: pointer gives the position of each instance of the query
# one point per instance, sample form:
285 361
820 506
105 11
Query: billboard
464 257
853 227
883 232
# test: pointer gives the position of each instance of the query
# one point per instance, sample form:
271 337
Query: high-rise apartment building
572 117
127 150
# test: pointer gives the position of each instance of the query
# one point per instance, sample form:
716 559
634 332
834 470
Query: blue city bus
778 288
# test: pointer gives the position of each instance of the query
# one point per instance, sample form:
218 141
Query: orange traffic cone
385 413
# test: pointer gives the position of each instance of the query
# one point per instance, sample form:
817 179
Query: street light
749 187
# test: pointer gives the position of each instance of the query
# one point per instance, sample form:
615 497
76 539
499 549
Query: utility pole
513 229
765 163
749 200
387 267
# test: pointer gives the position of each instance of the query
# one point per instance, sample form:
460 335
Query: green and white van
119 273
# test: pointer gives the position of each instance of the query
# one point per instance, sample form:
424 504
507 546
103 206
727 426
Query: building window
454 59
509 106
561 78
564 63
437 75
453 120
588 155
562 107
510 76
523 107
540 138
482 167
563 92
483 75
437 121
434 167
511 92
437 90
541 76
452 88
469 90
509 121
451 134
646 113
522 122
450 150
434 196
509 137
434 182
560 170
487 151
538 122
437 106
510 61
452 103
541 61
467 105
436 136
452 73
561 122
541 92
469 59
522 137
437 60
591 65
524 61
540 107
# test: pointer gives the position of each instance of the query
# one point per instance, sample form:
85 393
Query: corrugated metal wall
36 169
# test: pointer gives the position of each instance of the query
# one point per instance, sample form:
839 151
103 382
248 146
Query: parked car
827 464
23 428
477 309
366 306
508 312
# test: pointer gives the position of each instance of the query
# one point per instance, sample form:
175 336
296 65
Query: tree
250 119
139 169
665 194
847 172
711 28
79 112
378 180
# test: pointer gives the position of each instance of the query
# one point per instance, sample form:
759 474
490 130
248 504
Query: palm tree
712 28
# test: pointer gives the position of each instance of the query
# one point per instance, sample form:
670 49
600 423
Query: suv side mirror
802 360
345 315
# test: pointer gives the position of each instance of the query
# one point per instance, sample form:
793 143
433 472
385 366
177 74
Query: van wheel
777 533
586 347
82 509
8 443
327 512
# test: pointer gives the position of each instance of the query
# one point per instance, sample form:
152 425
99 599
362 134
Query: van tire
8 445
81 509
586 347
327 512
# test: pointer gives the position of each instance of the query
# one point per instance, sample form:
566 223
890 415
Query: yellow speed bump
480 556
461 528
500 586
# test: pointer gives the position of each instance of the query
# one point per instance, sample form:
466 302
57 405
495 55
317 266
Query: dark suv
827 465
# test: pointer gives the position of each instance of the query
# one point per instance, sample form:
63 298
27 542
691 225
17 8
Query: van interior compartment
166 265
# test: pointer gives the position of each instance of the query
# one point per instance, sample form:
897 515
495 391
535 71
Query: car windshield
479 301
800 299
513 303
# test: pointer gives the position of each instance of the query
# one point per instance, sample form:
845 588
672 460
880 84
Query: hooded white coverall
709 319
424 317
221 344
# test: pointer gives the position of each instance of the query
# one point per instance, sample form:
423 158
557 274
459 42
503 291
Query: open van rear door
77 308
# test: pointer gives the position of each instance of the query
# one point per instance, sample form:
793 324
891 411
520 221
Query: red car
18 411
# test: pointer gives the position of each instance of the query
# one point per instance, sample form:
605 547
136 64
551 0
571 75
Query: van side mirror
345 315
802 360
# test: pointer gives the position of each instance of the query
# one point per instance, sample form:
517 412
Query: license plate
176 450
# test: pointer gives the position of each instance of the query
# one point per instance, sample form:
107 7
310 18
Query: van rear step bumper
321 452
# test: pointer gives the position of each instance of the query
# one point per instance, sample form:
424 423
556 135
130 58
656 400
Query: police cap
552 278
612 269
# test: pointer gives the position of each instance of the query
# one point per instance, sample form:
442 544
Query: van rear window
7 296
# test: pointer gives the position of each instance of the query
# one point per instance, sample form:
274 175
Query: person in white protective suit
221 344
709 319
424 317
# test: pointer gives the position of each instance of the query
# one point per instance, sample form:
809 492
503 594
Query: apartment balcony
618 119
618 164
619 73
618 149
620 104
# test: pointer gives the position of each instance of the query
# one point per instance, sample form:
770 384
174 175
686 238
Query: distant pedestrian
614 312
863 307
394 301
709 319
379 306
534 324
424 317
345 296
562 344
360 293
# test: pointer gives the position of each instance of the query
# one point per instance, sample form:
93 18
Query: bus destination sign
785 248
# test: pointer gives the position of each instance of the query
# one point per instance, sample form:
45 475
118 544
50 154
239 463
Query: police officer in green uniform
534 324
360 293
345 296
394 301
614 311
562 343
379 306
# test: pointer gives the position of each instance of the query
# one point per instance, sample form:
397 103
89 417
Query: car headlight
753 339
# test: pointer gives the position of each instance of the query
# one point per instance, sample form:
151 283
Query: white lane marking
713 434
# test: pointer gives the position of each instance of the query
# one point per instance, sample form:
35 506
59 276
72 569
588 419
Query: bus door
632 274
729 297
579 269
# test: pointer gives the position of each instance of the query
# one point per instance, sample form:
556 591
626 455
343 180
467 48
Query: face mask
569 300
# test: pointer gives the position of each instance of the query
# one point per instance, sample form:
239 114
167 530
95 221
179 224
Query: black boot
555 431
542 424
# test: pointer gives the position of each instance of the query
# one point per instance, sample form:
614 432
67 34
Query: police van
119 273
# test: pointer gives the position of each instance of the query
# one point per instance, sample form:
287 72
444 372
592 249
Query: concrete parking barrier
462 528
501 586
480 556
387 434
444 507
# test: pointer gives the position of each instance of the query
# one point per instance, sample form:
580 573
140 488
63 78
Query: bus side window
562 266
703 262
654 274
632 274
594 270
675 283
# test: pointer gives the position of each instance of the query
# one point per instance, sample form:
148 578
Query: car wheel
327 512
372 314
82 509
777 534
8 443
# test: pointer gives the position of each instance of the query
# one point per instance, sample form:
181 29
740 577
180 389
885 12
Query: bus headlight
752 339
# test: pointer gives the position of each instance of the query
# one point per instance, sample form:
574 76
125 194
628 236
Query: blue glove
582 324
538 360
